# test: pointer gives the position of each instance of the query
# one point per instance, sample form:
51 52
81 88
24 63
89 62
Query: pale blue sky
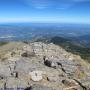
67 11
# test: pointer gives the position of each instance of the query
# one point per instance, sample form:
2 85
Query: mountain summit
41 66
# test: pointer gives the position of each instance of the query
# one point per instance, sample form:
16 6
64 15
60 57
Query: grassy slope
72 47
3 43
68 45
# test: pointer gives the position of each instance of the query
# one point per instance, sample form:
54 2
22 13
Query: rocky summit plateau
41 66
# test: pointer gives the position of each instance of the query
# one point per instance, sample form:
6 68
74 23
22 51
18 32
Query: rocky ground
40 66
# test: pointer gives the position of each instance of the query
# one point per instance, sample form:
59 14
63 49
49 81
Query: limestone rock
5 71
69 82
15 83
24 66
27 54
36 75
41 65
2 84
50 63
53 79
12 83
38 87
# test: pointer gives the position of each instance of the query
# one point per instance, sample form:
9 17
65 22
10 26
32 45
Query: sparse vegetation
70 46
3 43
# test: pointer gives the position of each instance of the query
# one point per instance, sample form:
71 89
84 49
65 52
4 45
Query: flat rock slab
5 71
24 66
38 87
15 83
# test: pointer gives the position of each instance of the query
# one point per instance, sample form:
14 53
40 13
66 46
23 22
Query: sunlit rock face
40 66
